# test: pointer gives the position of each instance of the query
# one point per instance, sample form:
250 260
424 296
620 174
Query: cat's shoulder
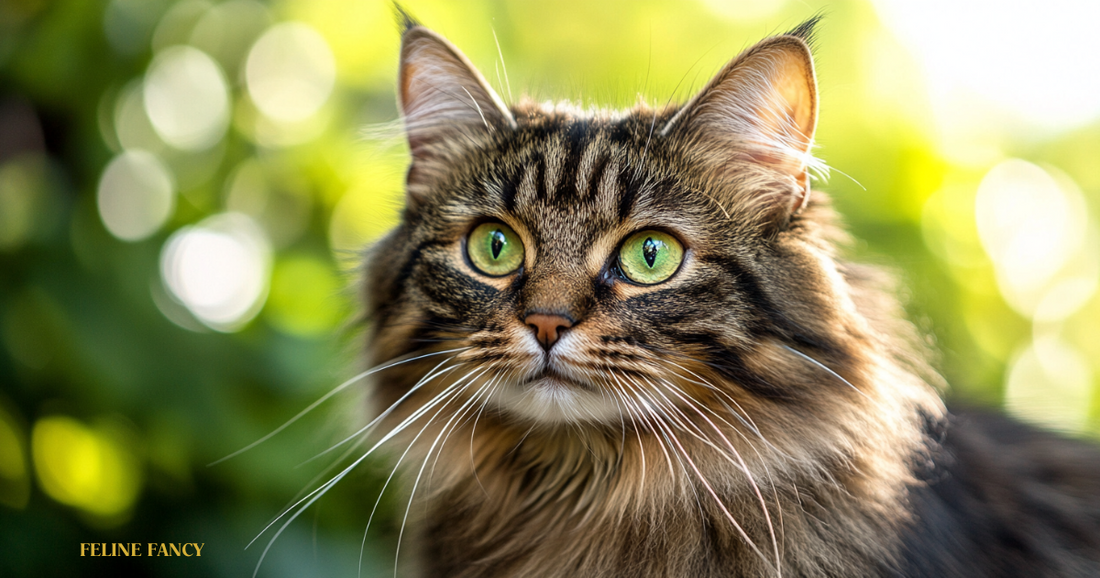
1002 498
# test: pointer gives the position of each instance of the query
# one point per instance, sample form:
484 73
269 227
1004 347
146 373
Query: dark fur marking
447 286
729 363
626 197
540 177
575 140
508 187
596 176
628 339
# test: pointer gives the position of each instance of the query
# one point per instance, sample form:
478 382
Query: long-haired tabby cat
631 347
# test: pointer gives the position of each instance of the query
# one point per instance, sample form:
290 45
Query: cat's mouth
549 376
551 395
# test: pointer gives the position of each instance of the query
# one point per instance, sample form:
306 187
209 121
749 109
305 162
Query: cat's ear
445 101
761 108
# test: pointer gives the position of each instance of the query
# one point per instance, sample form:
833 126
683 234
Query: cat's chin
552 399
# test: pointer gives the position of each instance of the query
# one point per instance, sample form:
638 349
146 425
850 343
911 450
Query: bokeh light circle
219 269
86 467
1050 384
305 296
187 98
136 195
1033 227
290 72
982 73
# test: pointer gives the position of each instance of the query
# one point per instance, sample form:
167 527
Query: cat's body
757 408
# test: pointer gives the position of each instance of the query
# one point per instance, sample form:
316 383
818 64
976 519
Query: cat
627 343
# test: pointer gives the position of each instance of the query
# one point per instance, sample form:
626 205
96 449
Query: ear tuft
807 31
404 19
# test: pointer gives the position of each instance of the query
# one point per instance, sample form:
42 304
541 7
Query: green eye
650 257
495 249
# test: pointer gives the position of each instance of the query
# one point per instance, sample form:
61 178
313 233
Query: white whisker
427 456
454 390
316 494
714 495
507 83
473 430
365 430
491 384
830 371
324 398
740 462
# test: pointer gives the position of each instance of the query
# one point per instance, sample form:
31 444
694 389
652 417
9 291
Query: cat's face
550 241
591 268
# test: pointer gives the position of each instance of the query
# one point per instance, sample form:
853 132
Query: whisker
427 456
648 415
366 430
622 428
744 420
320 475
491 384
618 395
699 380
740 463
316 494
507 83
453 390
710 490
324 398
830 371
670 436
473 430
740 413
389 478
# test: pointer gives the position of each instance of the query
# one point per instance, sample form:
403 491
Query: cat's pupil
496 243
650 248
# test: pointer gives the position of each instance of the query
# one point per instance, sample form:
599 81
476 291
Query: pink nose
547 327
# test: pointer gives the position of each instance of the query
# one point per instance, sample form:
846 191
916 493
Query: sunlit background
185 186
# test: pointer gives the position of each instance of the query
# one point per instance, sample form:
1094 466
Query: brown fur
758 414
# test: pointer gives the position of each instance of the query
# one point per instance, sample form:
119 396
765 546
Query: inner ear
760 108
445 101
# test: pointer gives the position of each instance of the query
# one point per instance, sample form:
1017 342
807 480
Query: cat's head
587 267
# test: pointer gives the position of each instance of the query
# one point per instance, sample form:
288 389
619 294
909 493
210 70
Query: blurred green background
185 185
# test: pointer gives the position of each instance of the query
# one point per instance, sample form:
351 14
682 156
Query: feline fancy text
187 549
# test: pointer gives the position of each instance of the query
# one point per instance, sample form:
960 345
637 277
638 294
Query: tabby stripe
539 177
528 188
552 170
588 156
433 329
607 188
399 281
626 200
734 367
748 285
508 189
594 178
730 364
776 324
575 142
445 285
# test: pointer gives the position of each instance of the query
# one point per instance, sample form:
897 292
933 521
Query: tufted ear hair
445 102
760 108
